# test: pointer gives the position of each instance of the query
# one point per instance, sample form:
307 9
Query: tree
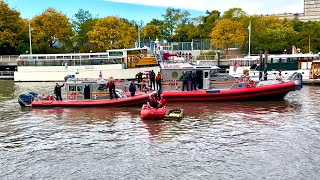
172 19
82 24
111 33
309 35
227 33
13 31
52 32
209 22
160 25
150 31
234 14
272 34
79 18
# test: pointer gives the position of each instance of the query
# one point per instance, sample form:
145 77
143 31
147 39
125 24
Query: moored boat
84 93
263 92
152 113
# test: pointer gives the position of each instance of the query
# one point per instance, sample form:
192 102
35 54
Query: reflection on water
241 140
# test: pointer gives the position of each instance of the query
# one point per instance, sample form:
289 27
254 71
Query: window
72 88
79 88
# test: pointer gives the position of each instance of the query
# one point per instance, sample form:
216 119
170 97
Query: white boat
283 65
117 63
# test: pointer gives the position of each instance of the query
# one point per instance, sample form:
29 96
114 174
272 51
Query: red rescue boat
265 92
152 113
120 102
84 93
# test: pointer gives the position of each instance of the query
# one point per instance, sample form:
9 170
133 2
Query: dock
311 82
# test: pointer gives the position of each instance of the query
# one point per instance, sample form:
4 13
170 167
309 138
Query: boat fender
141 56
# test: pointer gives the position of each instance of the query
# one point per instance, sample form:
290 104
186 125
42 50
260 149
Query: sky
146 10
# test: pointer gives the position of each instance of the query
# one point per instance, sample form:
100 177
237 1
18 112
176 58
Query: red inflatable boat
152 113
266 92
120 102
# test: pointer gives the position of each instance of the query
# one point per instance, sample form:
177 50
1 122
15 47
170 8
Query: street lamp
30 44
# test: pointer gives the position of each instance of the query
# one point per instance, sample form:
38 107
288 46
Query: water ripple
251 140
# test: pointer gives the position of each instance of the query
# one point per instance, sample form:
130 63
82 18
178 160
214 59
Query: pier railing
6 74
8 60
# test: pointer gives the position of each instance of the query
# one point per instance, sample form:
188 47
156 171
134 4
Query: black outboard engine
26 99
297 78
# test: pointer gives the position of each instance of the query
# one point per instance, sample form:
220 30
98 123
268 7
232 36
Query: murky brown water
249 140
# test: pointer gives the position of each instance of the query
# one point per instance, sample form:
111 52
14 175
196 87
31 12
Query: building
311 10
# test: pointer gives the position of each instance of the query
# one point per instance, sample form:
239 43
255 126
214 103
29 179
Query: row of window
69 63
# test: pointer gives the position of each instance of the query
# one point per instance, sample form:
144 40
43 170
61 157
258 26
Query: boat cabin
89 89
208 76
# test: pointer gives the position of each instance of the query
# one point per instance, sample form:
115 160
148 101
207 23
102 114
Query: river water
248 140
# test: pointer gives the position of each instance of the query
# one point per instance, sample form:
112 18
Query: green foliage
113 33
234 14
82 24
209 22
172 19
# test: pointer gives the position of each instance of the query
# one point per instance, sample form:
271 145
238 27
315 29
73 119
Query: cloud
249 6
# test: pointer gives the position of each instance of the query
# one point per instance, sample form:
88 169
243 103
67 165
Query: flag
100 75
235 66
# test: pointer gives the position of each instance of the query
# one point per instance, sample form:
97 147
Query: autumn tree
51 29
227 33
150 31
111 33
13 31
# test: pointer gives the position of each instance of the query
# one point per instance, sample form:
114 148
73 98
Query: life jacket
159 77
110 84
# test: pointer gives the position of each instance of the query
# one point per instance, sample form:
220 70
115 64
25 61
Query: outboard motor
297 78
26 99
120 93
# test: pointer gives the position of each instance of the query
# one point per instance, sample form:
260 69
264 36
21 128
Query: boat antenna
249 28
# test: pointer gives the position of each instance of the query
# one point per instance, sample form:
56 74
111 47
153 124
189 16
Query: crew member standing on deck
193 81
139 78
153 79
57 91
112 88
132 89
158 81
185 80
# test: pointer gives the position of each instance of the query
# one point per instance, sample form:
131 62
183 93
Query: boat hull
120 102
267 92
148 113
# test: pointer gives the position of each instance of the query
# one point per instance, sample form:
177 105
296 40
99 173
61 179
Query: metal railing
6 73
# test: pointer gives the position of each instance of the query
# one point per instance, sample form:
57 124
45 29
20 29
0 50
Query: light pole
30 44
